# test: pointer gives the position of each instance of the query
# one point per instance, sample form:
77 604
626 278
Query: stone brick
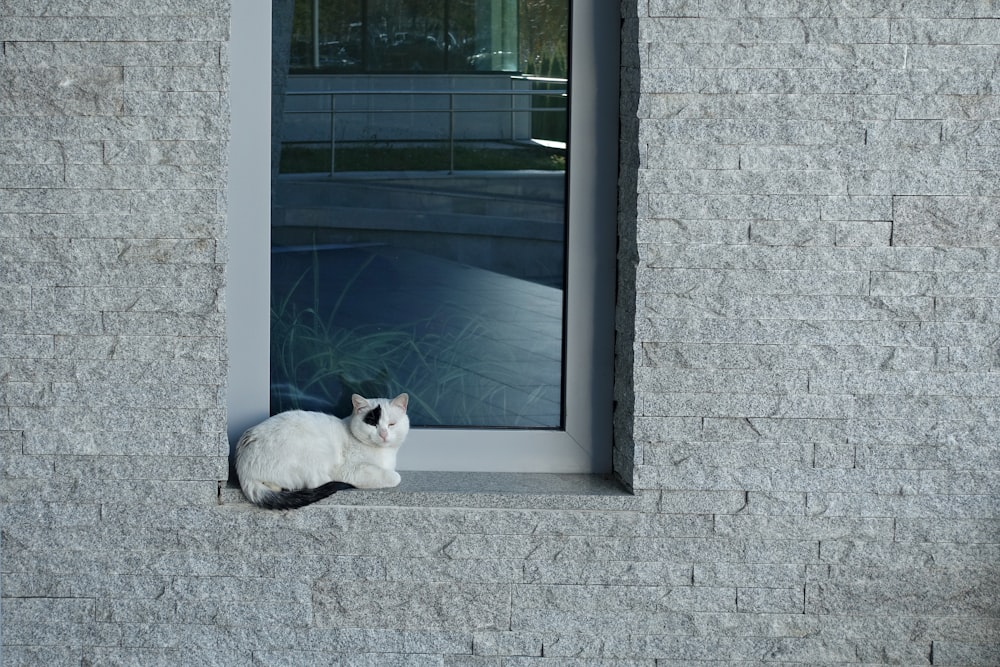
507 644
614 608
65 90
881 591
407 605
770 600
945 221
965 653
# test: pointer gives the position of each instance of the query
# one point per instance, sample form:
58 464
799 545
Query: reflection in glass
418 209
429 36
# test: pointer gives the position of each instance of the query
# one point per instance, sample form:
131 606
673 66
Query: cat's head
380 421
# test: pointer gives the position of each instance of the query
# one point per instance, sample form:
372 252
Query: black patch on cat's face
372 417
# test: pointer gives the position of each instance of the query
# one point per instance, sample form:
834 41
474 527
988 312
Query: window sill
487 490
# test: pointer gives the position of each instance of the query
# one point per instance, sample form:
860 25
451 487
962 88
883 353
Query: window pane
430 36
418 219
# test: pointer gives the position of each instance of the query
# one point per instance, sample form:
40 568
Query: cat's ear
360 403
401 401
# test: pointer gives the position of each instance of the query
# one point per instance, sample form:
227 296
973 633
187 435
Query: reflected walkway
472 347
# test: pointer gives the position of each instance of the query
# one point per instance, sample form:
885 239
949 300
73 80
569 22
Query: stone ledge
488 490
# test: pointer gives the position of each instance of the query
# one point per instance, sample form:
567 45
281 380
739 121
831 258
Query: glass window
419 220
435 232
420 35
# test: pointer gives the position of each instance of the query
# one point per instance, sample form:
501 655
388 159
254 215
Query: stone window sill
488 490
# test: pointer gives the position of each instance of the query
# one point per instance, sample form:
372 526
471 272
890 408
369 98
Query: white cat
296 458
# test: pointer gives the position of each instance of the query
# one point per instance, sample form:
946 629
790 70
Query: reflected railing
521 104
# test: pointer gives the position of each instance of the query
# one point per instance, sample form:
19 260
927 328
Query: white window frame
584 444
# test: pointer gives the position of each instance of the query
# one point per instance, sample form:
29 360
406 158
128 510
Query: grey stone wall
807 370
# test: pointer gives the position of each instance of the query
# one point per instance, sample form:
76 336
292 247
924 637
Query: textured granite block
259 613
723 405
98 53
33 176
307 658
720 207
674 8
151 102
858 208
930 456
207 153
689 156
136 348
136 177
903 133
64 201
908 554
945 221
830 55
715 181
161 323
26 346
55 656
693 355
57 632
939 592
174 79
836 650
198 638
914 182
160 467
804 528
948 31
50 515
681 55
835 455
928 506
959 408
967 310
407 605
64 90
186 201
613 608
795 223
775 503
729 454
746 281
141 396
113 29
925 105
428 570
703 502
750 132
174 299
654 380
694 231
966 653
690 30
824 309
749 575
630 573
904 383
124 610
163 657
507 644
233 588
770 600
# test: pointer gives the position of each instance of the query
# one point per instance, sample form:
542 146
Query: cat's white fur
303 450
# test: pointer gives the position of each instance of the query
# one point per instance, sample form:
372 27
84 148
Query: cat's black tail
290 500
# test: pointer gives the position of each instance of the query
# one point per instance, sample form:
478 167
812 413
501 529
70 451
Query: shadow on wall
628 252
